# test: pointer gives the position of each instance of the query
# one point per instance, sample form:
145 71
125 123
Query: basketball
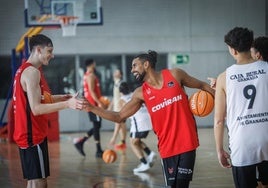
46 97
109 156
105 101
201 103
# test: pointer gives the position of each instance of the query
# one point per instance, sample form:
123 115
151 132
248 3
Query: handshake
79 102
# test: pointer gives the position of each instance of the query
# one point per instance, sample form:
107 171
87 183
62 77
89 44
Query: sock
147 151
98 147
85 138
143 160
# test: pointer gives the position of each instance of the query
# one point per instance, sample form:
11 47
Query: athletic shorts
143 134
178 167
93 117
35 162
247 176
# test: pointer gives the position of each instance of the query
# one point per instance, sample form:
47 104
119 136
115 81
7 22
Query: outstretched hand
86 105
224 159
101 105
212 82
76 103
66 97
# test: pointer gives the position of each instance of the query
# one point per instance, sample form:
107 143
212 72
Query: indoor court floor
70 170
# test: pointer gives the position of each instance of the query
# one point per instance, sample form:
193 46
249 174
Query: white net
68 25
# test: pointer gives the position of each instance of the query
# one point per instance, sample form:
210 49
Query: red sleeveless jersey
29 130
87 93
171 117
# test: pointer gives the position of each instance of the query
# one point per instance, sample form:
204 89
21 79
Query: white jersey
247 112
141 120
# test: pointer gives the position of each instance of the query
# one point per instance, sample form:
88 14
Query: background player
259 49
92 92
119 127
140 127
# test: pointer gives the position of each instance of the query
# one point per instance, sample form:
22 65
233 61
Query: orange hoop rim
65 20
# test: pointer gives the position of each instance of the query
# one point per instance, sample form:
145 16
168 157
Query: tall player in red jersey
163 94
31 123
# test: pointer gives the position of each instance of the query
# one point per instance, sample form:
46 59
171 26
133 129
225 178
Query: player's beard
140 77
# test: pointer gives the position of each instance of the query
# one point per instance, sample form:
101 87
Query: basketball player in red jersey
172 120
92 92
31 123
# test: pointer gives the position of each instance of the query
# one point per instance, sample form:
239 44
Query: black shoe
99 154
79 146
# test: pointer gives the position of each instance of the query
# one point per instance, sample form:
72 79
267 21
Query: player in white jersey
120 128
259 48
259 51
241 93
140 126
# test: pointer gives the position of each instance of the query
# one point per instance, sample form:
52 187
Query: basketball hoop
68 25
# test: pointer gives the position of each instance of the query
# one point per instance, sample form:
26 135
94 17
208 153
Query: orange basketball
46 97
109 156
105 101
201 103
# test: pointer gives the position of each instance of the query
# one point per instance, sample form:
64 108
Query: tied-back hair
151 57
39 40
240 39
261 45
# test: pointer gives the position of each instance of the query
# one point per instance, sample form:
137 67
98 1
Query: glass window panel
60 74
105 66
5 75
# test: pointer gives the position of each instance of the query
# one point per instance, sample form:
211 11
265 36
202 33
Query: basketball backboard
48 13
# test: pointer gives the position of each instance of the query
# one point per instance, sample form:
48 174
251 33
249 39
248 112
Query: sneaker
99 154
79 143
120 146
151 158
145 178
142 167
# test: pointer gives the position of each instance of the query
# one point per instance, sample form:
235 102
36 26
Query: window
64 74
105 66
6 76
60 74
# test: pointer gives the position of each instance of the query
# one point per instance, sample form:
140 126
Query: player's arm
191 82
30 79
213 82
64 97
127 110
219 120
121 103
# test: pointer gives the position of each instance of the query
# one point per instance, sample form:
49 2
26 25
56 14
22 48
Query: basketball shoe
79 145
151 158
121 146
145 177
142 167
99 154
